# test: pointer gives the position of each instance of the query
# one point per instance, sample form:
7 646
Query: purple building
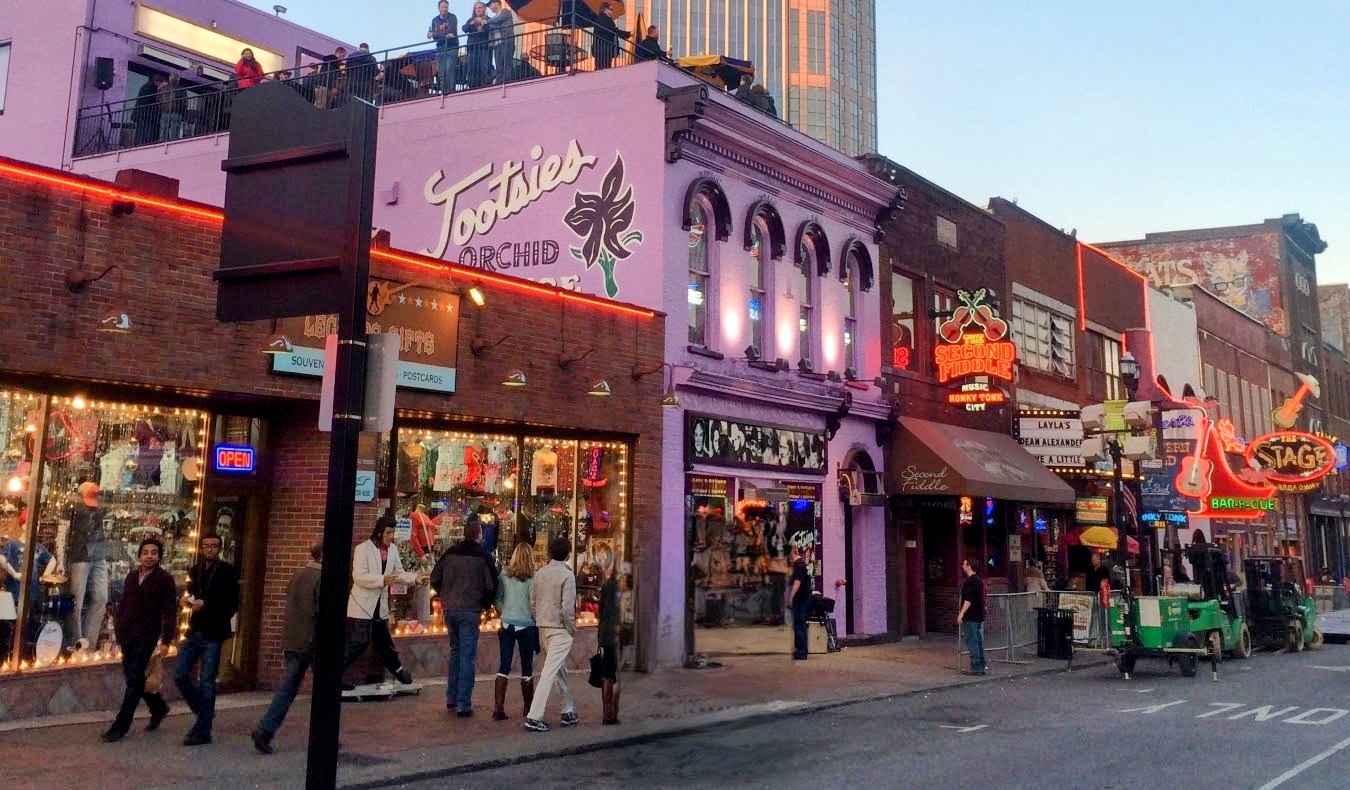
646 185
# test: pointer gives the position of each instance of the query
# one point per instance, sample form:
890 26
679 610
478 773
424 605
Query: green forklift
1280 613
1161 627
1215 609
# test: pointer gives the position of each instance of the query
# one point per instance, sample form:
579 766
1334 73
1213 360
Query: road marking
959 728
1336 713
1332 669
1224 707
1264 713
1153 708
1303 766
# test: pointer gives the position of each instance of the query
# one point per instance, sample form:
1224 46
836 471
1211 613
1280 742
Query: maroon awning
935 459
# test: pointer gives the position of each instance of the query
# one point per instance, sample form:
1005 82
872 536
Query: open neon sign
234 458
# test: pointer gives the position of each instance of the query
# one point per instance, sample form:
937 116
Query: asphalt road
1275 720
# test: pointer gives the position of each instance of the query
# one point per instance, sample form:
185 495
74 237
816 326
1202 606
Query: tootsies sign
723 442
426 321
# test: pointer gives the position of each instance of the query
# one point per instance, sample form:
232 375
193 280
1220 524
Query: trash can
1054 633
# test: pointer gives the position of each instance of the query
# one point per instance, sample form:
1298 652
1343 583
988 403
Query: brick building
1329 530
1071 306
937 251
140 401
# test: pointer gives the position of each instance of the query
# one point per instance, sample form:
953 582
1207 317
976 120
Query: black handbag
597 671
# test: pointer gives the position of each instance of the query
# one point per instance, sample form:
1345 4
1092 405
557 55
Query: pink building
78 55
643 184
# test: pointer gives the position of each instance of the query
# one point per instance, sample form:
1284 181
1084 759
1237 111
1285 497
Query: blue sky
1114 118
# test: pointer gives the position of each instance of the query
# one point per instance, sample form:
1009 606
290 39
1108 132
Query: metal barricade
1009 624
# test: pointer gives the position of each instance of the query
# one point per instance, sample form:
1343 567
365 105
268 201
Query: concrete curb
754 714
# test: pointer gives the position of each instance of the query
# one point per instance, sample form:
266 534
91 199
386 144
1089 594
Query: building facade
144 405
66 60
816 57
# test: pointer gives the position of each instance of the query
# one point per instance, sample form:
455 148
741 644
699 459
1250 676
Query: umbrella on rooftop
731 72
564 10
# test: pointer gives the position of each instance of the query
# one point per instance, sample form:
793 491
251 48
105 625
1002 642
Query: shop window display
112 474
519 489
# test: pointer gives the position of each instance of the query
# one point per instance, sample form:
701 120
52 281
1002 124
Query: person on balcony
248 70
361 70
444 30
502 41
649 48
480 57
606 36
147 112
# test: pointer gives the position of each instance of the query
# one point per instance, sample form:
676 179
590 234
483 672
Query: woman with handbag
517 629
605 665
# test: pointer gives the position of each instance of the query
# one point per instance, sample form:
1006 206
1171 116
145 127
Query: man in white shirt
553 602
375 566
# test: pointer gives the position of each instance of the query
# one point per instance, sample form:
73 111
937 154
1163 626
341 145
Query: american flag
1131 504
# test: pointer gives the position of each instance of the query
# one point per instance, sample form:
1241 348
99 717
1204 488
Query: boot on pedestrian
499 698
527 695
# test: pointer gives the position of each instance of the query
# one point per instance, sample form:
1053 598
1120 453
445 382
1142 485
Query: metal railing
469 61
1009 624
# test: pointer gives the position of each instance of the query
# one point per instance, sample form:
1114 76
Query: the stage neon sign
1294 461
973 342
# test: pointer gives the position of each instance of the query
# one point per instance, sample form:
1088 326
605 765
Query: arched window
760 291
849 269
806 317
700 273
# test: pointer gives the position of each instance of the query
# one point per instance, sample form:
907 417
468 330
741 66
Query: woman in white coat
375 566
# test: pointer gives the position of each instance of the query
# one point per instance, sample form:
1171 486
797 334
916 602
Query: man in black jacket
649 48
465 578
213 594
145 628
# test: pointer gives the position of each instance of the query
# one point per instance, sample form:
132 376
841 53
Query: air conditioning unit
165 58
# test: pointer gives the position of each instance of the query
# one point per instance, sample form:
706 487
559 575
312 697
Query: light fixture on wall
476 295
515 378
479 346
115 322
751 354
781 365
278 344
670 400
565 360
600 389
804 366
279 9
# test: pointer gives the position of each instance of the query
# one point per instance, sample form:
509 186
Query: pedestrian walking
375 566
970 619
518 632
466 582
297 646
608 635
800 596
553 604
213 595
146 625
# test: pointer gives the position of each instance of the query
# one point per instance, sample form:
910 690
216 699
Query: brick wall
178 354
911 247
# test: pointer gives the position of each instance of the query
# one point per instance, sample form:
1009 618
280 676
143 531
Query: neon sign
234 458
900 357
1207 476
1293 461
977 396
981 351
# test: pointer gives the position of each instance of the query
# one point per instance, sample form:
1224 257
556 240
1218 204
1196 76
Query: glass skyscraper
817 57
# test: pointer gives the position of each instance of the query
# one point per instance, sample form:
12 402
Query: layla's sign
427 322
973 342
601 221
1292 461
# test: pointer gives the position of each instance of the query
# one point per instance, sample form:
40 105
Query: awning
935 459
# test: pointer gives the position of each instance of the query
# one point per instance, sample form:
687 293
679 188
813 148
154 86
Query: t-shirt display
543 470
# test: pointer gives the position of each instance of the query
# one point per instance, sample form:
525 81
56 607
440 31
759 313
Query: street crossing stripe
1303 766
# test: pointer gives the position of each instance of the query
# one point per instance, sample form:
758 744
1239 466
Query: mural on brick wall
1242 271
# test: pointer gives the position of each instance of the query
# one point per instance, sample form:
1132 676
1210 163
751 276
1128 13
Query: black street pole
1117 481
349 377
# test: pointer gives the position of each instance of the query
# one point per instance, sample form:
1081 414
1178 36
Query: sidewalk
415 737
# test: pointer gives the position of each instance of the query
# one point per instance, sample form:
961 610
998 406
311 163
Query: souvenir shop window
442 481
17 424
113 475
600 540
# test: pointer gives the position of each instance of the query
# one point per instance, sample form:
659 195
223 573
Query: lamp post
1129 375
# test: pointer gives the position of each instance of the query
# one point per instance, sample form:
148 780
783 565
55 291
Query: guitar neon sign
1206 475
981 351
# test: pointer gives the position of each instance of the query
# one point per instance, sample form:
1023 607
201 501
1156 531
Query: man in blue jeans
971 619
297 645
801 602
444 30
465 579
213 595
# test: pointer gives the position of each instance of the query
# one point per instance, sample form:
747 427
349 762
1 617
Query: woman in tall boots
609 648
517 630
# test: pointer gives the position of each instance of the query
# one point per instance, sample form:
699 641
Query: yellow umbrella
1106 538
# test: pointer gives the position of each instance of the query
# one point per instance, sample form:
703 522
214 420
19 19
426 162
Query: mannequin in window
544 470
86 557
